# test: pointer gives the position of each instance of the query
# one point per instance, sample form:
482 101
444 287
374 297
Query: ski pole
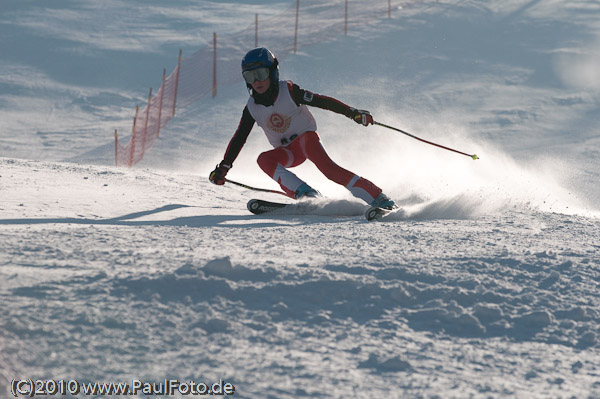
474 156
264 190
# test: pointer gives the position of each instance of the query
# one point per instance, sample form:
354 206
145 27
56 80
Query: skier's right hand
217 176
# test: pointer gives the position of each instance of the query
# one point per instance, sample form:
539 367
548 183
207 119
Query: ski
258 207
302 207
375 213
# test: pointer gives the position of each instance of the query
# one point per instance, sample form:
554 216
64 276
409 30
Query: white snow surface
486 285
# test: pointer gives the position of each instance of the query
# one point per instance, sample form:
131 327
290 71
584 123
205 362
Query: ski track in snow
484 285
176 285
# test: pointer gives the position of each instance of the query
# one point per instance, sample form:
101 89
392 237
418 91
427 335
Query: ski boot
384 202
306 191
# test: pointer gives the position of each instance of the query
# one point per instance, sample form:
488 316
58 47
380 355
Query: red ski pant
308 146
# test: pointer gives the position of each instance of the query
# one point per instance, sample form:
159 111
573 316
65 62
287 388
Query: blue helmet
261 57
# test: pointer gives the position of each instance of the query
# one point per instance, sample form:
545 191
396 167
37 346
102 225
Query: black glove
217 176
360 116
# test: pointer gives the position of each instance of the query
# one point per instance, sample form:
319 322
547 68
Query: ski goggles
253 75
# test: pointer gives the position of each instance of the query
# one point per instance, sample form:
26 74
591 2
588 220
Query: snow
485 285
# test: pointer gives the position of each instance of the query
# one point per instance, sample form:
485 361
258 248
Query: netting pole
137 109
146 123
214 88
296 29
160 102
176 82
116 148
256 31
346 19
389 8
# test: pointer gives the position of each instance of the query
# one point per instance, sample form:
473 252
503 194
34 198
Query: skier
280 109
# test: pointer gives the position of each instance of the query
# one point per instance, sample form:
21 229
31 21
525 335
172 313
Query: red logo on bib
279 123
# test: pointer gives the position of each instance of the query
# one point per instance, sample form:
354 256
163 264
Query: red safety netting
304 23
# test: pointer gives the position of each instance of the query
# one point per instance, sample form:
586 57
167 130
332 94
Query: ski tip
378 214
375 213
253 205
371 214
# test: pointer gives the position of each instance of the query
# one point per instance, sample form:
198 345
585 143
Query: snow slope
487 286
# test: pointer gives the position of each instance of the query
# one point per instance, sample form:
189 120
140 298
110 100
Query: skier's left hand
360 116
